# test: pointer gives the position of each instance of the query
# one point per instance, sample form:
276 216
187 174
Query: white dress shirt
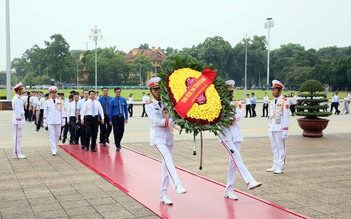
87 109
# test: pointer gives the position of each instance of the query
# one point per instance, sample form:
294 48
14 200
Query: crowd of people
335 102
78 117
83 115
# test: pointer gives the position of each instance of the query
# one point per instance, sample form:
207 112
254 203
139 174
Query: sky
178 23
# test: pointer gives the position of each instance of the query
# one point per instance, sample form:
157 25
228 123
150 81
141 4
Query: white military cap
230 83
52 89
18 86
154 82
277 84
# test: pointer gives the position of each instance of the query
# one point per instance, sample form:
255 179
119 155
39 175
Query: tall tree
57 51
143 65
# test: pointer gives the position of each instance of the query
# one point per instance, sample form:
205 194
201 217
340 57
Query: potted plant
311 95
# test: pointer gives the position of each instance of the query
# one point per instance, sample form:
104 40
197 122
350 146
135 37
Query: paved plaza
316 181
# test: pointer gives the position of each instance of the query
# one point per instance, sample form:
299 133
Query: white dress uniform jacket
160 132
18 111
233 133
279 114
54 113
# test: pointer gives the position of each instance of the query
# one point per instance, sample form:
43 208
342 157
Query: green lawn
137 93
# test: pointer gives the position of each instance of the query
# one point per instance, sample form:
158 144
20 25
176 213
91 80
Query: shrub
311 96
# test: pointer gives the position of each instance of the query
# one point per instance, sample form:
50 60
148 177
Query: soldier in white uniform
279 113
54 118
18 121
161 137
232 139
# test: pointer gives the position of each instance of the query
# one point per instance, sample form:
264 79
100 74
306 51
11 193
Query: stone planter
313 127
5 105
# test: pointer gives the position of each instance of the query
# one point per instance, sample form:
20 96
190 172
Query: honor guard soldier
54 118
279 113
90 119
231 139
161 137
18 121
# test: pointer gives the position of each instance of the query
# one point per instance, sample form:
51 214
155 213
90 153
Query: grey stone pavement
316 181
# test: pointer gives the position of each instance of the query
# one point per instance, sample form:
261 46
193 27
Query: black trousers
91 128
105 130
292 109
253 109
40 119
65 130
144 112
30 115
118 129
130 110
336 106
265 109
73 129
80 132
26 112
248 109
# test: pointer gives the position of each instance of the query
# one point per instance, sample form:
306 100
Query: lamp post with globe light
95 35
268 25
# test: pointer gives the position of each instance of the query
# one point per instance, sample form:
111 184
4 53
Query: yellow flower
208 111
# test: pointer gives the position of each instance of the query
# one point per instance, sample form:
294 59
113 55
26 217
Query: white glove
285 134
63 122
45 123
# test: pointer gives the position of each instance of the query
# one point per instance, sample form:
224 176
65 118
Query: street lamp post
268 25
8 59
77 71
246 40
95 35
140 83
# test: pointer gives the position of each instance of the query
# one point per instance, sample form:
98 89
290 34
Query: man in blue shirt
105 128
118 115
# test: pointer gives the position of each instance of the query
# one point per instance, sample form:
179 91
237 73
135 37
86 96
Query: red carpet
140 177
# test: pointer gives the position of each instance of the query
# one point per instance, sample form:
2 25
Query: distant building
156 56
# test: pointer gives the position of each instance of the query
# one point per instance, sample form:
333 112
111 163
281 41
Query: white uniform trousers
168 168
17 139
235 165
278 149
54 136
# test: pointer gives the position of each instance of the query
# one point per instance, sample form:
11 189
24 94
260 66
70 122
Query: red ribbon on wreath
194 91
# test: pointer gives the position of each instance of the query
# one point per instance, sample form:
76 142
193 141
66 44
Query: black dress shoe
118 149
64 140
86 149
108 141
104 144
82 147
93 150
